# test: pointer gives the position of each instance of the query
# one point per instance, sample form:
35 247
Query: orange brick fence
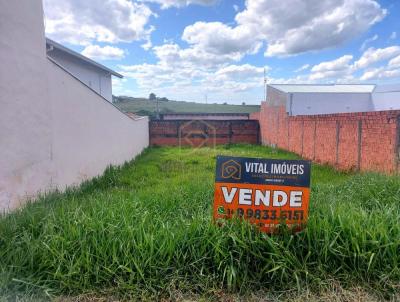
203 133
366 141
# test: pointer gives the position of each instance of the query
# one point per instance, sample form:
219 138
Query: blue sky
189 49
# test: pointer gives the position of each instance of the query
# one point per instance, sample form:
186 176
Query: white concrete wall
386 97
276 97
25 132
89 133
98 80
386 101
106 87
327 103
54 131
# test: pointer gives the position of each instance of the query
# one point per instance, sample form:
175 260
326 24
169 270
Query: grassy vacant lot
146 107
144 231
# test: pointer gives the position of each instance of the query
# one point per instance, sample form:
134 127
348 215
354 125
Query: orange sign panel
266 192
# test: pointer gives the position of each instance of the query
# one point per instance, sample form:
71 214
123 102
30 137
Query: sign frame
267 192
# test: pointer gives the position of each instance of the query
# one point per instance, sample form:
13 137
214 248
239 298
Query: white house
54 130
386 97
304 99
93 74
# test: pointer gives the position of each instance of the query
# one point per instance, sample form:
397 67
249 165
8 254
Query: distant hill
145 107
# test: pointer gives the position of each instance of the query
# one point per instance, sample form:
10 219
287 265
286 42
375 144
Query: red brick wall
364 140
254 116
203 133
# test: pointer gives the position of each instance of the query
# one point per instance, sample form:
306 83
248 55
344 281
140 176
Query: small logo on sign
231 169
221 210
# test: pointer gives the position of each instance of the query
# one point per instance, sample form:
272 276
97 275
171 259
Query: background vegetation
144 231
143 106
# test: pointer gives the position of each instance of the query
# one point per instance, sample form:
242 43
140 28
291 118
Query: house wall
303 103
327 103
276 97
366 141
386 97
98 80
25 133
97 132
54 131
386 100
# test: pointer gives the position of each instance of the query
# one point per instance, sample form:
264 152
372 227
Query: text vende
275 198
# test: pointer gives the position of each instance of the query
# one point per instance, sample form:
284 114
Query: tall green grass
145 230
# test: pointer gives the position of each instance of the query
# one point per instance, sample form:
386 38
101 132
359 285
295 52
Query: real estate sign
267 192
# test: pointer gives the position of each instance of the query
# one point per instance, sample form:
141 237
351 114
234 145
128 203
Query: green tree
152 97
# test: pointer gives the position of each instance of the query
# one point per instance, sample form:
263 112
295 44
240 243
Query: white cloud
181 3
393 35
371 74
302 68
193 68
391 70
209 62
338 64
288 27
185 76
230 86
84 22
171 69
372 56
395 62
380 73
147 46
241 72
294 26
342 70
103 53
220 39
117 82
332 69
301 79
368 41
173 55
193 72
236 8
120 87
